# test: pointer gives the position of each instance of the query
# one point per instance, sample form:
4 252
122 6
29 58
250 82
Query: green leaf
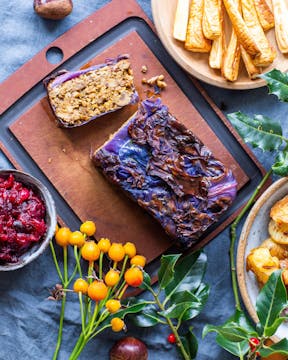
277 83
231 333
260 131
188 275
190 343
146 284
201 295
166 271
148 317
186 301
271 300
133 306
236 348
279 348
280 167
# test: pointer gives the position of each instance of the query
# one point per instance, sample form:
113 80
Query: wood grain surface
64 154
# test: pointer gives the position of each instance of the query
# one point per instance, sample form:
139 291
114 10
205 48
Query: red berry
253 343
171 338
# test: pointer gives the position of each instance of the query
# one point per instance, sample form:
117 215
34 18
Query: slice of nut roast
167 170
77 97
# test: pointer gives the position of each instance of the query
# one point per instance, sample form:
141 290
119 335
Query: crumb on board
157 80
49 160
144 69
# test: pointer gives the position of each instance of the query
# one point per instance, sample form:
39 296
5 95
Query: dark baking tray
15 151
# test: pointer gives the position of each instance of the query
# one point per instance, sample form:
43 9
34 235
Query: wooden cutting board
63 155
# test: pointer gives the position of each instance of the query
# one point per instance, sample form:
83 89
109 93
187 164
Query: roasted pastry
166 169
77 97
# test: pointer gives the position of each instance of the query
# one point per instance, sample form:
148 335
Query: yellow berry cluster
105 288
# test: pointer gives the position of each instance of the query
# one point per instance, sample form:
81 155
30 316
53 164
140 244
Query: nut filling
77 98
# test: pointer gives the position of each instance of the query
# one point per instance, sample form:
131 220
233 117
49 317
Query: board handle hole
54 55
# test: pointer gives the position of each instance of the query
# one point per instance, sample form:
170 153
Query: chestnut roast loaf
163 166
77 97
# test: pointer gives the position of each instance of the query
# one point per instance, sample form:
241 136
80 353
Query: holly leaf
146 284
231 332
202 295
190 343
279 348
260 131
270 302
186 301
277 83
234 335
236 348
188 275
166 271
132 306
280 167
148 317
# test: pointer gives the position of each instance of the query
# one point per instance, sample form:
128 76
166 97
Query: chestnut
129 348
53 9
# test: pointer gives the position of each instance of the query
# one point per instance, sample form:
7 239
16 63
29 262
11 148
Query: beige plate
253 233
197 64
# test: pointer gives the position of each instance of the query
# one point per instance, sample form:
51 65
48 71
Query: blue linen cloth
29 322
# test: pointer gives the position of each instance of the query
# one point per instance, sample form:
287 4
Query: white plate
254 232
196 64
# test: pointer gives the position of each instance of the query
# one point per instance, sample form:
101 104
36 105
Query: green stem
101 265
77 261
79 347
72 275
65 266
81 311
56 262
172 327
233 238
60 330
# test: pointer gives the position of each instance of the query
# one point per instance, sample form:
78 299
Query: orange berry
113 305
117 324
77 239
88 228
62 236
130 249
90 251
133 276
104 245
138 260
81 285
97 290
116 252
112 277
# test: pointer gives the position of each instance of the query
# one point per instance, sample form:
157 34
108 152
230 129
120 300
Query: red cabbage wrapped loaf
166 169
78 97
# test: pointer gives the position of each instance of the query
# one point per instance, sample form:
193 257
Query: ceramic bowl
254 232
50 218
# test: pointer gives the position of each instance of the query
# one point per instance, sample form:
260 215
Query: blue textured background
29 322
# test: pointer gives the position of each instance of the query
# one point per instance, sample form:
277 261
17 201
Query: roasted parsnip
181 20
218 48
195 39
249 13
265 15
231 61
280 9
252 70
211 19
241 29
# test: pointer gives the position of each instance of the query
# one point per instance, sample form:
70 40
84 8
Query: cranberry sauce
22 219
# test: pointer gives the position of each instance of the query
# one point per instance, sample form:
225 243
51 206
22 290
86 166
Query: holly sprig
180 296
237 335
